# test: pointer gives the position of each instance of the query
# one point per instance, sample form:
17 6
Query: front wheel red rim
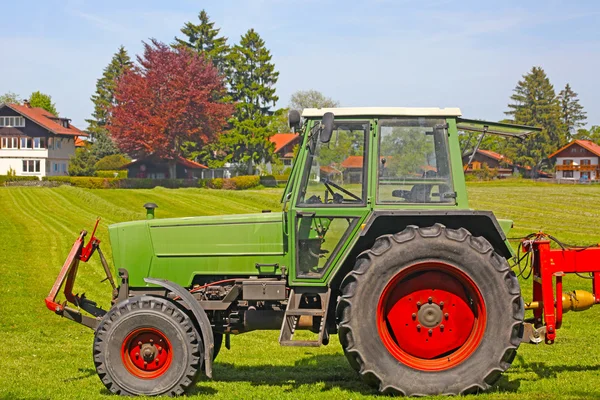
431 316
146 353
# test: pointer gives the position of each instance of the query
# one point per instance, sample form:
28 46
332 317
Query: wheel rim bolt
137 355
418 304
430 331
441 304
441 327
151 340
446 315
430 300
418 327
140 343
414 316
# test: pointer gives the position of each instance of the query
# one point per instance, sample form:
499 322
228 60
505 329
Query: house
284 146
493 160
34 142
353 169
578 160
158 168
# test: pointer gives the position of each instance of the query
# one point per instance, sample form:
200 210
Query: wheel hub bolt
441 327
430 300
418 304
430 331
414 316
441 304
446 315
418 327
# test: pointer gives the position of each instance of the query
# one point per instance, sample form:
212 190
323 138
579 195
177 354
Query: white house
35 142
578 160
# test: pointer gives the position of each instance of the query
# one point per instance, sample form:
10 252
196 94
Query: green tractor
375 242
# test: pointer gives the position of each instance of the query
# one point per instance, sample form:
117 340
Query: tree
204 38
311 99
252 81
279 122
593 134
534 102
166 99
10 98
111 163
82 163
571 111
103 100
41 100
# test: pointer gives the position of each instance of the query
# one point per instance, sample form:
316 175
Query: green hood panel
227 235
178 249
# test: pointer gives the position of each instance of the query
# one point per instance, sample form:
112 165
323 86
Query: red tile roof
79 142
282 139
586 144
492 154
180 160
45 119
353 162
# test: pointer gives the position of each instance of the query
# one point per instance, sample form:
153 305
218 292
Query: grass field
45 357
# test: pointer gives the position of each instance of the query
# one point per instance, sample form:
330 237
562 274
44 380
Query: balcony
583 168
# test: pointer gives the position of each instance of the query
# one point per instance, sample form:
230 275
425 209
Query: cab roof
383 111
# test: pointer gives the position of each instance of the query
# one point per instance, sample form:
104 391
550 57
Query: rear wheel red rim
431 316
146 353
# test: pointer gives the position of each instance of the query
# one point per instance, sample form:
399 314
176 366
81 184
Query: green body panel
233 245
177 249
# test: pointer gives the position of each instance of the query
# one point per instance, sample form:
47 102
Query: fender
203 321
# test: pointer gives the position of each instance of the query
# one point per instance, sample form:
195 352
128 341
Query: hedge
89 182
111 173
12 178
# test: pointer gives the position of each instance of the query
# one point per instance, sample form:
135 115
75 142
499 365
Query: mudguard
203 321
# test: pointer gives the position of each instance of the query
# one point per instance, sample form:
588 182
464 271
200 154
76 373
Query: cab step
297 313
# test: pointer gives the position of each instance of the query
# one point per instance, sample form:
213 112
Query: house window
58 143
55 167
39 143
567 174
50 143
10 143
64 168
586 162
26 143
15 122
31 165
567 162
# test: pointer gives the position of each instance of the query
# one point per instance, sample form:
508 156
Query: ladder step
305 311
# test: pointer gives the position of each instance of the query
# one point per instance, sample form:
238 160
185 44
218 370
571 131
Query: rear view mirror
294 119
326 127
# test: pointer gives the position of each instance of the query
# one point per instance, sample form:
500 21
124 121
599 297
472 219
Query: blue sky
442 53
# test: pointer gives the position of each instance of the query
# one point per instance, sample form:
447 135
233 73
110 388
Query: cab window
336 171
413 165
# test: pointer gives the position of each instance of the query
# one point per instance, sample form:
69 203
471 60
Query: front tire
147 346
430 311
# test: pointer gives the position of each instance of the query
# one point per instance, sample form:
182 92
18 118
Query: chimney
26 103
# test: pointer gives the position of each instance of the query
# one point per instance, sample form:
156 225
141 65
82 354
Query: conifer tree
534 103
571 112
204 38
104 100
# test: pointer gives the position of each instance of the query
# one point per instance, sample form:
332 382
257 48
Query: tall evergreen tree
571 112
534 102
42 100
252 82
204 38
104 100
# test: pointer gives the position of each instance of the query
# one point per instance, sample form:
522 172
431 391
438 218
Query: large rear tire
147 346
430 311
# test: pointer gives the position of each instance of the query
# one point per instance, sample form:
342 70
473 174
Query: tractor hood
178 249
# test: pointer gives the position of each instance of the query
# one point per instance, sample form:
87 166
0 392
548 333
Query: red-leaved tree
170 97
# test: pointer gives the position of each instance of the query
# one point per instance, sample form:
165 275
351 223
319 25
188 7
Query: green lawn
44 357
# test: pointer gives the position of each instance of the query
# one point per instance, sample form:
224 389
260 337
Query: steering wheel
327 182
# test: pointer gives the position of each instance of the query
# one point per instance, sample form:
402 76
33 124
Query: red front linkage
548 264
79 252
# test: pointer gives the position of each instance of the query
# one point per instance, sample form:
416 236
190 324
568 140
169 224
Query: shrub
485 173
216 183
268 181
14 178
87 182
111 162
122 173
244 182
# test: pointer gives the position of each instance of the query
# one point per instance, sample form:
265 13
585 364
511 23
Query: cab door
331 199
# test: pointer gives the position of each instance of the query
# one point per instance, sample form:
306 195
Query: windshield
336 170
414 165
